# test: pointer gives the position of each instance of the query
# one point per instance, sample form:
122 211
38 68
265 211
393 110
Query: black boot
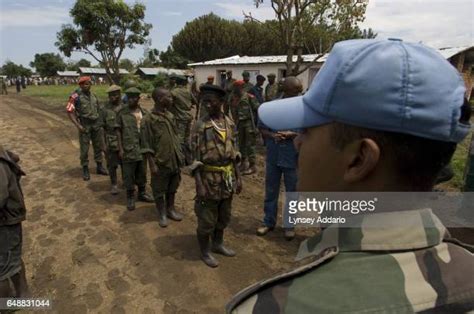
204 245
160 207
143 197
113 181
85 173
170 210
130 200
101 170
218 244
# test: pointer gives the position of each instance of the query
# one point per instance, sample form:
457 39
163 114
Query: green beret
245 74
113 88
132 90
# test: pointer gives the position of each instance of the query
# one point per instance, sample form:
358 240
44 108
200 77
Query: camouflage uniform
109 116
416 267
247 87
133 165
3 86
271 92
159 138
244 114
217 173
88 111
181 109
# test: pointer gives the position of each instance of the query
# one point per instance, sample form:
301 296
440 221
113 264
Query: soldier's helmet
130 83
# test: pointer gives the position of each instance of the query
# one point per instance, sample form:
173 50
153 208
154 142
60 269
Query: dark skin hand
214 105
86 89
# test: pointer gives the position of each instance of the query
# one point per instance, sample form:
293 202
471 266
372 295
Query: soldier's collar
410 230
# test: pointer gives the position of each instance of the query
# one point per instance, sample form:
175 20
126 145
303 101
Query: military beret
261 77
214 89
245 74
113 88
132 90
239 83
84 79
271 75
210 77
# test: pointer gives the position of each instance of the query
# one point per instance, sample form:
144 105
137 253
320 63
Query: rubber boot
170 209
101 170
160 207
113 181
204 244
130 200
218 244
143 197
85 173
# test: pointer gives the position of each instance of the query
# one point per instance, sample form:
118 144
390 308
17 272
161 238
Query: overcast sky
30 26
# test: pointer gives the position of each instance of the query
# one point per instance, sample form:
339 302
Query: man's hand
120 153
201 190
153 168
81 128
278 137
238 188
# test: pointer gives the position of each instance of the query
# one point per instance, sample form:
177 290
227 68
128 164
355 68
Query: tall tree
11 69
74 66
298 19
127 64
103 29
47 64
171 59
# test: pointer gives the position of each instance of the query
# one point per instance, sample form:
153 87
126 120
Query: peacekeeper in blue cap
381 115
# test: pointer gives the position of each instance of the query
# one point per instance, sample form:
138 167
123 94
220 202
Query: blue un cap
386 85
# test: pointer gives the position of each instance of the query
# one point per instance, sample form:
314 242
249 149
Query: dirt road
85 252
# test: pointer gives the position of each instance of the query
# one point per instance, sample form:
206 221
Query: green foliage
105 26
145 86
47 64
172 60
127 64
74 66
11 69
161 80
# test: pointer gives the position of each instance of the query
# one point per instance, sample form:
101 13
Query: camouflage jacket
86 106
109 122
209 149
247 87
414 267
182 102
245 108
271 91
130 132
158 137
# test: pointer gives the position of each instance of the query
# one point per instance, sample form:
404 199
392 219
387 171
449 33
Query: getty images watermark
350 209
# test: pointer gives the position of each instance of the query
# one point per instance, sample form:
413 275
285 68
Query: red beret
210 77
239 83
84 79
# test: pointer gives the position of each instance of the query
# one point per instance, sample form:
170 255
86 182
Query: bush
161 80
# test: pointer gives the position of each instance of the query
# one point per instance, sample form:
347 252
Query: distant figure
23 82
271 90
257 90
210 80
18 85
3 86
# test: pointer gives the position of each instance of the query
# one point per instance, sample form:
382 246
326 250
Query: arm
73 117
201 190
5 174
71 111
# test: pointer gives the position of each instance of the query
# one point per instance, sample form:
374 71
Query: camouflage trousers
134 173
247 140
165 182
94 134
212 215
113 161
184 133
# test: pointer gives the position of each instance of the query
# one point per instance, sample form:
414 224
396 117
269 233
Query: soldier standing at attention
128 134
84 111
410 119
217 177
244 112
162 148
128 84
271 90
229 83
247 85
257 90
181 109
109 116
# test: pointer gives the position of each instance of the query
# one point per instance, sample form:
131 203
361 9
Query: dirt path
83 250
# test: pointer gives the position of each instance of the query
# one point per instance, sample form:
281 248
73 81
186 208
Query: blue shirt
257 91
283 153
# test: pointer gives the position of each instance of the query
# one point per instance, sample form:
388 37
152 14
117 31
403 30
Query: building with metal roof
67 74
99 71
150 73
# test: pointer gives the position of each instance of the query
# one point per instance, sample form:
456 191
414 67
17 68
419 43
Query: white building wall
202 72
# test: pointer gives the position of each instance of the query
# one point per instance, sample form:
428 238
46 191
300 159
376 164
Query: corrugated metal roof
99 71
257 60
155 71
452 51
67 73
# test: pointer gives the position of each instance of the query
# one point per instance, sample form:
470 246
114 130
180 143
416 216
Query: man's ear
362 158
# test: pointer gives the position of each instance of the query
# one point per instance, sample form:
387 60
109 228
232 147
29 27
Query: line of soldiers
132 137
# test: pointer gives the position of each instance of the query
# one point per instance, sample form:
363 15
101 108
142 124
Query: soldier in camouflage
247 85
84 111
162 148
128 134
109 114
271 90
217 177
181 109
386 262
244 112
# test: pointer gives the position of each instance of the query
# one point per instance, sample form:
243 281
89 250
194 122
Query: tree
300 20
11 69
47 64
103 29
74 66
127 64
171 59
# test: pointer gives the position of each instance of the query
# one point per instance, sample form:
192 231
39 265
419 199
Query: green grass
458 163
58 95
